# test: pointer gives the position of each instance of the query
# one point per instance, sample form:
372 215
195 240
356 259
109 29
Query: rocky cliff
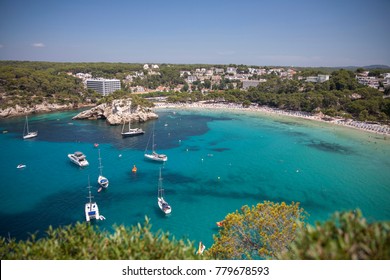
118 112
39 108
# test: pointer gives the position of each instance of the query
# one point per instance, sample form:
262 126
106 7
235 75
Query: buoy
134 169
96 145
220 224
120 155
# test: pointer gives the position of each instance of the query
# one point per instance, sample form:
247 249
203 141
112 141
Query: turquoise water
218 162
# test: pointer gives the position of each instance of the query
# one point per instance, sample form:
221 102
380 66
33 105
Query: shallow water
218 162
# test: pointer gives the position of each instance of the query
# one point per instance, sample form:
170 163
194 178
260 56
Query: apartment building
104 86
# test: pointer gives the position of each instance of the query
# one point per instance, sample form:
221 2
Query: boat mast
26 127
28 131
100 163
153 146
89 190
160 188
129 113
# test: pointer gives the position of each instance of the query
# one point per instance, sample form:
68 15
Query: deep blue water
218 162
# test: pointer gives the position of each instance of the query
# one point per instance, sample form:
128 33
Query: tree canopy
83 241
257 232
347 236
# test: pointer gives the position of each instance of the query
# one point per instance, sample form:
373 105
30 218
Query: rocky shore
39 108
117 112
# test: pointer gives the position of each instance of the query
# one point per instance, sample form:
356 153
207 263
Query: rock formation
118 112
39 108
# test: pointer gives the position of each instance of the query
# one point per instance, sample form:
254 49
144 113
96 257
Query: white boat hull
103 182
30 135
91 211
156 157
77 161
164 206
133 132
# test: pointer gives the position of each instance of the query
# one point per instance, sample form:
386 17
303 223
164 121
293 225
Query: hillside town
214 78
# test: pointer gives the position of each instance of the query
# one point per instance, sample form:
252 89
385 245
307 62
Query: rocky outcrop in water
118 112
39 108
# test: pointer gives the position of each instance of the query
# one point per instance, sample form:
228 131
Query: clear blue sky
251 32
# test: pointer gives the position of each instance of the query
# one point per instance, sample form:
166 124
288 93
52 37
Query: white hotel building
104 86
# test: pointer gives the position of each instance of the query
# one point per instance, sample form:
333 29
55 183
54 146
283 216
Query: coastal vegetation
136 100
257 232
345 236
341 96
83 241
277 233
27 84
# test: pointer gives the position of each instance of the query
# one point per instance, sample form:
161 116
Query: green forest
340 96
30 83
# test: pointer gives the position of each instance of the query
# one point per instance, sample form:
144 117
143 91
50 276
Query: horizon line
199 63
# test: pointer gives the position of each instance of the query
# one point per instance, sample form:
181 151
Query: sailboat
131 131
154 155
91 208
26 132
102 181
164 206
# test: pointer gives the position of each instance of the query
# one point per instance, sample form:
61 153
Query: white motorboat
27 134
162 204
102 181
79 159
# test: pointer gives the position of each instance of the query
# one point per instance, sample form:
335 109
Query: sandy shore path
365 126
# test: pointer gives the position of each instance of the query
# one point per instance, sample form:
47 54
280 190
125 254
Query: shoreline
17 111
358 125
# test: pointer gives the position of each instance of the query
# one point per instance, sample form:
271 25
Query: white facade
323 78
104 86
317 79
252 83
231 70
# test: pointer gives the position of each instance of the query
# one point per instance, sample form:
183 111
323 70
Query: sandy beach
365 126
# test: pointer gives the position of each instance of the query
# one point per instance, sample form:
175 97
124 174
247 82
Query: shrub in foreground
83 242
346 236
